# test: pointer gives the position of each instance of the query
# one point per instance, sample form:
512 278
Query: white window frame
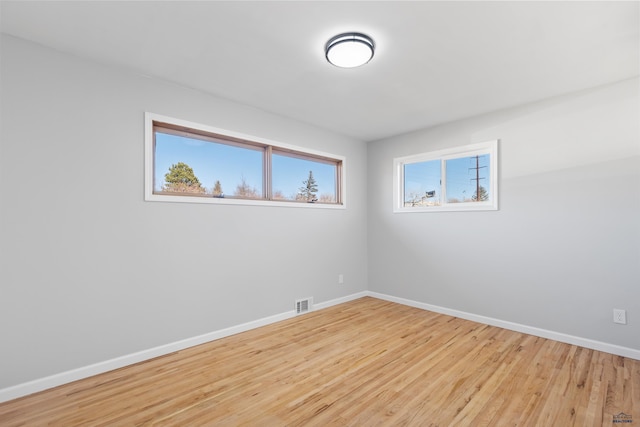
489 147
151 196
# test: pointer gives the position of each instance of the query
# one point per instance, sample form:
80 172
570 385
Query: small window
302 178
193 163
463 178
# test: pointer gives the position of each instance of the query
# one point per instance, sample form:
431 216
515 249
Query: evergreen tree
309 190
217 189
483 196
181 178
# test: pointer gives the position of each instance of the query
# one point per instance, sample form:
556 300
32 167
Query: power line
477 178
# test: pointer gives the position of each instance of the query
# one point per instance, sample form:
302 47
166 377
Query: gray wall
91 272
564 248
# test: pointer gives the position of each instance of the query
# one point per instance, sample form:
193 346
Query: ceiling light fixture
349 50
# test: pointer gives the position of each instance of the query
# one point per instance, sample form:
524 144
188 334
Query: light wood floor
364 363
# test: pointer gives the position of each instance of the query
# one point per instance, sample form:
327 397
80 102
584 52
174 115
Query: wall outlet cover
619 316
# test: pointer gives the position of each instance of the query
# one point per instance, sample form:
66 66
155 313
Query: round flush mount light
349 50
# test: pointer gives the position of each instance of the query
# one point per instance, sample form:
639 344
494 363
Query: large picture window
187 162
463 178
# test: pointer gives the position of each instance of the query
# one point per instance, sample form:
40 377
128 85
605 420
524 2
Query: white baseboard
41 384
45 383
543 333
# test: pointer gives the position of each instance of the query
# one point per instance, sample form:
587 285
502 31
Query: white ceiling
435 61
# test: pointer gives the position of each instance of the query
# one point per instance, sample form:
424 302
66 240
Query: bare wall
90 271
562 251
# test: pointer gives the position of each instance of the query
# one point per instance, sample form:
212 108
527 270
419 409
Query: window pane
466 178
303 180
219 170
422 184
451 179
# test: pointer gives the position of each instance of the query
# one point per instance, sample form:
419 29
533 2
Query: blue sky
461 173
230 164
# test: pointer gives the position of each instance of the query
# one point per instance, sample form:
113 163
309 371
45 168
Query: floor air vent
303 305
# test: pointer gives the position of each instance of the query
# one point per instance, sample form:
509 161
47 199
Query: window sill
233 201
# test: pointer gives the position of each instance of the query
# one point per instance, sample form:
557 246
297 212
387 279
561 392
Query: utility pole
477 178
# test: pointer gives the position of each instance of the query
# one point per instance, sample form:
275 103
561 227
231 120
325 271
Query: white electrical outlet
340 279
619 316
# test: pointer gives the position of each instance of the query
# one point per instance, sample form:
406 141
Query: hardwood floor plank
367 362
